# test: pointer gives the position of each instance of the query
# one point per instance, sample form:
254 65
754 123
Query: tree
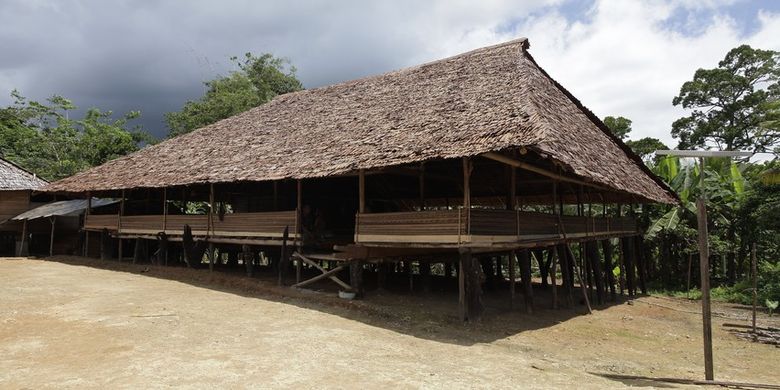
729 103
644 147
257 81
619 126
41 137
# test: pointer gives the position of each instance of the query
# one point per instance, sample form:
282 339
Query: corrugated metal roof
63 207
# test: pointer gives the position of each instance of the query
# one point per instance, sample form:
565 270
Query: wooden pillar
299 210
211 256
606 246
86 232
640 263
566 277
362 191
592 252
104 238
581 281
425 275
23 252
512 278
276 195
53 220
465 255
511 195
356 277
422 186
381 274
165 214
544 266
137 250
467 168
628 261
471 286
119 225
162 249
554 256
525 276
248 257
284 256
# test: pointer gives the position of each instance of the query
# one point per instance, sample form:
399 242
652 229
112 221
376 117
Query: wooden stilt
472 285
640 263
284 257
104 238
582 283
628 258
512 278
592 252
410 274
22 250
356 277
248 257
86 232
525 276
137 250
464 256
554 256
566 277
425 275
119 225
606 246
544 265
53 221
381 275
211 256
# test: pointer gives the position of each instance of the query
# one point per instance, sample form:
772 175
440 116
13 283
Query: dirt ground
79 323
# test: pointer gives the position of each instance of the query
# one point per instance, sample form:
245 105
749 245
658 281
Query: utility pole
704 248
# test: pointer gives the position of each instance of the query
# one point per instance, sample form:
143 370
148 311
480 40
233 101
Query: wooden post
53 220
104 244
553 282
86 232
525 276
471 283
628 257
165 216
211 256
704 265
606 246
276 195
464 256
511 195
582 282
356 277
754 276
640 263
23 252
592 252
362 191
210 220
119 225
381 275
512 278
248 257
467 168
422 186
425 275
566 274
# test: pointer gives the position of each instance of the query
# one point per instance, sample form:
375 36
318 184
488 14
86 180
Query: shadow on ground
428 315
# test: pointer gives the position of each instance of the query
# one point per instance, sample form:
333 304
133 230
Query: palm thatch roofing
489 99
15 178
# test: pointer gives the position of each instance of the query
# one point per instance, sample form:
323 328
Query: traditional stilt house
468 158
16 193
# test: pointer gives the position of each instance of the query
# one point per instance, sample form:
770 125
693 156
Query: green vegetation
257 81
42 138
733 107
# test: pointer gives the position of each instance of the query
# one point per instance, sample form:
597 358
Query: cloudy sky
620 57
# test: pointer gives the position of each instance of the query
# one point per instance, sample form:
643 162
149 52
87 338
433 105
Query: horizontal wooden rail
482 225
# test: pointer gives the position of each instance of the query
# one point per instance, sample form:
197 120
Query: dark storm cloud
153 56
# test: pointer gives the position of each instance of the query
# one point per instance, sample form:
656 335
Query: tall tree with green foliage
257 81
729 103
43 138
644 147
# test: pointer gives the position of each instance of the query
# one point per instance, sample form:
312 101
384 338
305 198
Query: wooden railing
475 225
264 224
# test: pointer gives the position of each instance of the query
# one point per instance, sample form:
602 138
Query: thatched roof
14 178
488 99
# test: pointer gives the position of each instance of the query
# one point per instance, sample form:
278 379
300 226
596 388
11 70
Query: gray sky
619 57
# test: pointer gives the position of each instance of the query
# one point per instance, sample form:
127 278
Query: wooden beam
528 167
525 276
119 224
467 168
86 215
328 274
512 278
22 252
422 186
53 220
362 191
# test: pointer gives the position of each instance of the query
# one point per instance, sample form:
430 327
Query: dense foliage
732 107
257 81
42 137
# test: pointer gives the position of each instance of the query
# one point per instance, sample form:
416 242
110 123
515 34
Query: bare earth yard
81 323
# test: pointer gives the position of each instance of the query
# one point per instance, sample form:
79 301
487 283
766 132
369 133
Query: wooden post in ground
356 277
592 252
53 220
566 275
553 278
754 277
606 246
284 257
119 225
628 259
248 257
137 250
512 278
462 313
640 263
86 232
212 258
471 283
582 282
104 237
422 186
381 274
425 275
544 266
704 259
525 276
23 252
